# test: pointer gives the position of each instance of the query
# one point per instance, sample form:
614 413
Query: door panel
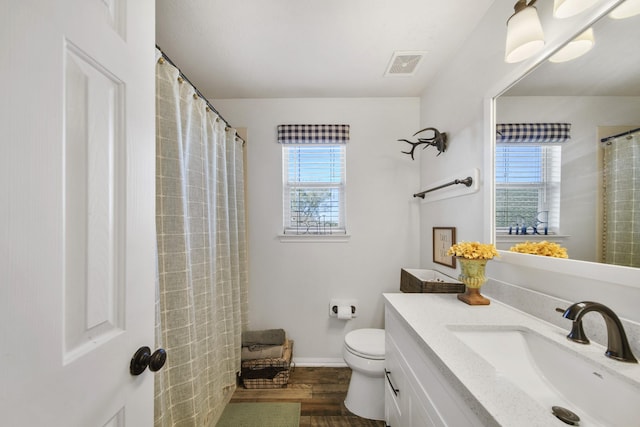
94 143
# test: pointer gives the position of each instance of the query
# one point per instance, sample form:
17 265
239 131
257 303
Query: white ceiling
310 48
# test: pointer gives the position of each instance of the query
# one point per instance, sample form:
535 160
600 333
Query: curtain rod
164 55
629 132
466 181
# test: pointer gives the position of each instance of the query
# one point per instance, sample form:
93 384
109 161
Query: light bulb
524 35
568 8
626 10
575 48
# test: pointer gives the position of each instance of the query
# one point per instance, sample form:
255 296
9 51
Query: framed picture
443 238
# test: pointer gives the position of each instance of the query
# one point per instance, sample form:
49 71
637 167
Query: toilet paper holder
336 305
335 309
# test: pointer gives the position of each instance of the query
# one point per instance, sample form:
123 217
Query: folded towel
265 337
262 352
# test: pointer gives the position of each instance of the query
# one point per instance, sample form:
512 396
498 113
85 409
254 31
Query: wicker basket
268 373
437 283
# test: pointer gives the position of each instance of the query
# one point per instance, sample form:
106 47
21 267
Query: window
313 159
528 187
314 189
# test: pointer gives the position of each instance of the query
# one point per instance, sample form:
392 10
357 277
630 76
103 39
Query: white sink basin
555 375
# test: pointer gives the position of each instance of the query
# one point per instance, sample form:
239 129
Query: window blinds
527 186
314 189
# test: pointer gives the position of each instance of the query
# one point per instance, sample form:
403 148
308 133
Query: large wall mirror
599 95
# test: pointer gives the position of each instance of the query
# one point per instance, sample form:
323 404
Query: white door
77 211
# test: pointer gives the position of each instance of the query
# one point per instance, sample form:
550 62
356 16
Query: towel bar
466 181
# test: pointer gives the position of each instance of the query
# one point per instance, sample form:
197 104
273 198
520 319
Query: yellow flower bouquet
543 248
473 258
473 250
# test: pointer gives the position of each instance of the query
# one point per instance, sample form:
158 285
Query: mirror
599 94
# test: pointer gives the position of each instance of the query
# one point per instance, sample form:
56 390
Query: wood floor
321 392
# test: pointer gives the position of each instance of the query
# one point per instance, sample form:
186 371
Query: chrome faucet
617 343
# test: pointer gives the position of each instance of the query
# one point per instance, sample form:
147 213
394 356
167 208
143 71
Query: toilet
363 352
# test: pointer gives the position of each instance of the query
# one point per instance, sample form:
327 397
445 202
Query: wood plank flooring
321 392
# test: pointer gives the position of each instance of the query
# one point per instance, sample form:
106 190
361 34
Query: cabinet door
420 412
433 398
391 411
394 379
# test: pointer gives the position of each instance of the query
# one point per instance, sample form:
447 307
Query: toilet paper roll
344 312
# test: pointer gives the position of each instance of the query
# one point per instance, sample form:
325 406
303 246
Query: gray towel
265 337
262 352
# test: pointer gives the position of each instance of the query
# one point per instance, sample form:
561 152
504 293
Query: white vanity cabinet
417 394
405 401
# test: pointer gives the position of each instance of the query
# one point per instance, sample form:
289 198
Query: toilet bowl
363 352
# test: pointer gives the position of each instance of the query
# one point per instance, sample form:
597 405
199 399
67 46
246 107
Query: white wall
291 283
581 164
457 102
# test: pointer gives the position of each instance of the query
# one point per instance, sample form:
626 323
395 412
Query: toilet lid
368 343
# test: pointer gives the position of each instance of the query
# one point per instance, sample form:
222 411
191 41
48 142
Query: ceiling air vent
404 64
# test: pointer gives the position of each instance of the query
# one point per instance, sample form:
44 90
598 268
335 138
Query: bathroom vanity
417 392
450 364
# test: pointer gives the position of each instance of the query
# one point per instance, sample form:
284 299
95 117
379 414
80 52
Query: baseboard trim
312 362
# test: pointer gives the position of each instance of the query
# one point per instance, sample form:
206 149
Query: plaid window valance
313 134
533 132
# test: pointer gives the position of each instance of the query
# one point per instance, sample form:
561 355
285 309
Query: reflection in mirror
598 94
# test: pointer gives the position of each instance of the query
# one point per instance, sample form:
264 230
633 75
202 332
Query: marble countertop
428 317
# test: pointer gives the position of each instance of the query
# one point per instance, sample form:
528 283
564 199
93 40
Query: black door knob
143 358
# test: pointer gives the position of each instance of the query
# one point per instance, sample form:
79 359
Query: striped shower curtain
201 300
621 178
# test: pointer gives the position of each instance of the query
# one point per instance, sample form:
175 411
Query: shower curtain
201 298
621 172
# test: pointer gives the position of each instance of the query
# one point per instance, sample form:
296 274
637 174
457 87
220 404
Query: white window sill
314 238
531 237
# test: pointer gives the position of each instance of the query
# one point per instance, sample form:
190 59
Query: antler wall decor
439 141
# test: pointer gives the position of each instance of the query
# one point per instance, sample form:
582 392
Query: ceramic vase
472 275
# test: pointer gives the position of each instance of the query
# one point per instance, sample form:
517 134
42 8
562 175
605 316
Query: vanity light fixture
568 8
524 32
575 48
627 9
